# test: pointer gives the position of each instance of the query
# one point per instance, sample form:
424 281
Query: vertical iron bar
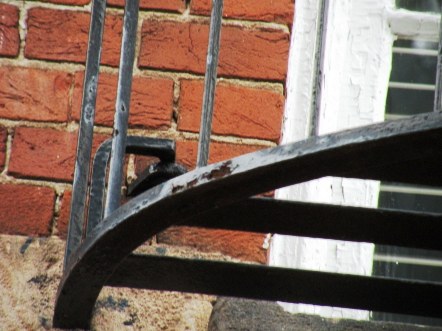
210 82
122 105
319 67
438 92
85 134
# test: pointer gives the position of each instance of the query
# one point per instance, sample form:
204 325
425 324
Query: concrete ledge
241 314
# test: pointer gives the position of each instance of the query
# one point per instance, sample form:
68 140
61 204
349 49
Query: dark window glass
408 263
409 102
420 5
412 68
412 77
420 44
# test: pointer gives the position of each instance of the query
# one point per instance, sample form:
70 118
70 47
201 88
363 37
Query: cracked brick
45 153
62 35
9 35
279 11
22 91
259 53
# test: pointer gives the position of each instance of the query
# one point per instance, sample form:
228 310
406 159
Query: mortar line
8 150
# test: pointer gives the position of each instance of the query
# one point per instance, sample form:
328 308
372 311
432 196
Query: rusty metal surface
355 151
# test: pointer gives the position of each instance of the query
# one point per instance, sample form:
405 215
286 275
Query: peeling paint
220 172
355 81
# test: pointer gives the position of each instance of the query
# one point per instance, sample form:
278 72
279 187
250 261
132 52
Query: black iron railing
103 235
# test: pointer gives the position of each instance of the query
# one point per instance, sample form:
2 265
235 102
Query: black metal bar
164 149
210 82
438 90
98 185
282 284
319 67
379 226
85 134
225 183
122 106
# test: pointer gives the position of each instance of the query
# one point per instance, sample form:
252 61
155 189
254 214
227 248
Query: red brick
70 2
242 245
44 154
34 94
3 138
151 101
280 11
238 111
26 210
62 35
9 35
259 53
63 218
166 5
187 151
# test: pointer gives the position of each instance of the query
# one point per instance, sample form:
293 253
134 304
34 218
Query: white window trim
357 64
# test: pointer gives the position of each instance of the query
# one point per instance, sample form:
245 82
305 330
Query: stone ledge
241 314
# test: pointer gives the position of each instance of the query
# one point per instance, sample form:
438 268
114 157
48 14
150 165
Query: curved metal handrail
164 149
362 151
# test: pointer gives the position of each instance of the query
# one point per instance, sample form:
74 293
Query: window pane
412 78
420 5
412 200
416 43
404 253
408 263
413 68
411 91
408 101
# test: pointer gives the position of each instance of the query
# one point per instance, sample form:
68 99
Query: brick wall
42 50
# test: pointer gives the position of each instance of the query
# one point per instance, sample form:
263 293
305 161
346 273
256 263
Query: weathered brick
63 218
280 11
238 111
259 53
187 151
3 138
242 245
151 101
62 35
45 153
166 5
34 94
26 210
9 35
70 2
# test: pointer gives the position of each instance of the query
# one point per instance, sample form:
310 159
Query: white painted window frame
356 68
